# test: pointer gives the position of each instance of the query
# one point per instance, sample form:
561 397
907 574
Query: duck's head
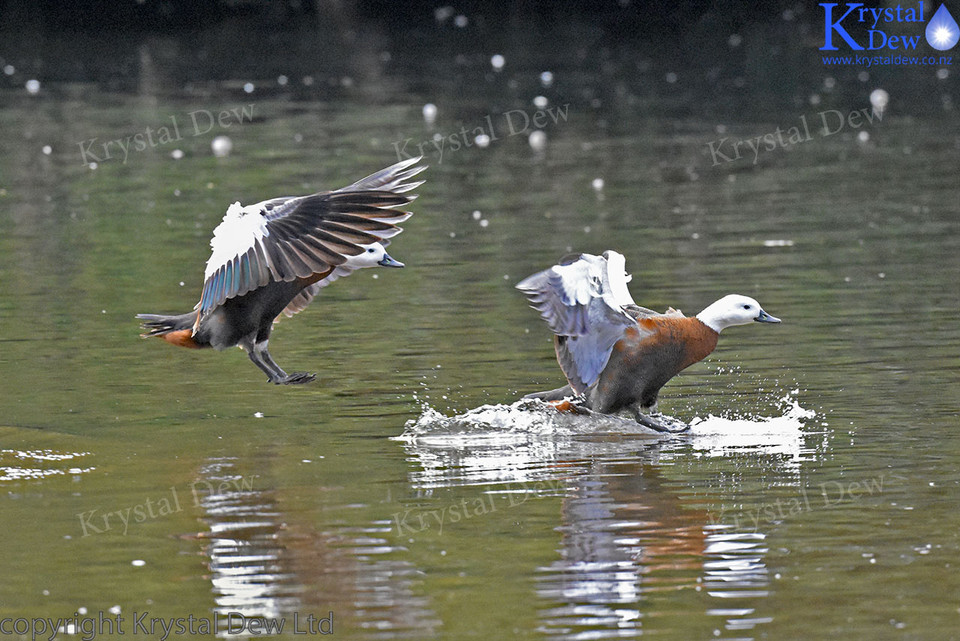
373 255
734 309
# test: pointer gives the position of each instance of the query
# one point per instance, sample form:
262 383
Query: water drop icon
942 30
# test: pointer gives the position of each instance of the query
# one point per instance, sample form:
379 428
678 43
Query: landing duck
616 355
272 258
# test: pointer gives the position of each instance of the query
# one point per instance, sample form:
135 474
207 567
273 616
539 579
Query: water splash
519 421
780 435
528 419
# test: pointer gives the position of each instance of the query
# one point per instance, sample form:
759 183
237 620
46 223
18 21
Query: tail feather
161 324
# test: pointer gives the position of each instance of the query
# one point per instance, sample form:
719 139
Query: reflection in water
16 465
249 568
264 563
627 534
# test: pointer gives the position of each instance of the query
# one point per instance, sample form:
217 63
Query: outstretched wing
579 302
284 239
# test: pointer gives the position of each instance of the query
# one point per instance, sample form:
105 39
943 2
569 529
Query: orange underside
180 338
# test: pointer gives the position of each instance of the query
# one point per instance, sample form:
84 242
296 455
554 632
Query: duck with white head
615 354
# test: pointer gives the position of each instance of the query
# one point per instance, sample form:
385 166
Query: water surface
815 498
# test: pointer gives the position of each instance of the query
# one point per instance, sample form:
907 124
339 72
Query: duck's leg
258 353
650 417
285 379
554 395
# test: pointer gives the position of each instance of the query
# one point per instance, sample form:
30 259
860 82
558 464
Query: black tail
159 324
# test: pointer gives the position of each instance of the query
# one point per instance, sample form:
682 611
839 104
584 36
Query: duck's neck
714 318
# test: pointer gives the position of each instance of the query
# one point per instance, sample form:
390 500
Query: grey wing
394 178
307 235
571 299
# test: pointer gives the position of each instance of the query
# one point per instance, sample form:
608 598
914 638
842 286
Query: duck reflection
250 568
627 536
265 563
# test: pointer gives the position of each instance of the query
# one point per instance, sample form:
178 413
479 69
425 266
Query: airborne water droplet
942 30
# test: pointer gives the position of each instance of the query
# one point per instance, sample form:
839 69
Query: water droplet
546 78
942 30
9 70
176 154
461 21
248 87
540 102
430 113
497 61
47 150
482 140
597 184
222 146
33 87
879 99
282 81
538 140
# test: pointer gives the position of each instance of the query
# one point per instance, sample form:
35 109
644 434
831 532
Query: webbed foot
662 423
297 378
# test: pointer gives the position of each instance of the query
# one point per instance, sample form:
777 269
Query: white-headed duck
616 355
273 257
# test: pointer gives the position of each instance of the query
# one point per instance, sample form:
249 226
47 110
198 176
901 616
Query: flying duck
616 355
273 257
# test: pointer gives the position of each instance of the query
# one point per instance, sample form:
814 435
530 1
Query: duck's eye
746 306
370 250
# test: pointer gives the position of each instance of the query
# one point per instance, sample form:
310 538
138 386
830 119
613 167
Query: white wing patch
582 302
581 280
241 229
617 278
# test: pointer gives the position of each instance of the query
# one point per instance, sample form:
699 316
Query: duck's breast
648 356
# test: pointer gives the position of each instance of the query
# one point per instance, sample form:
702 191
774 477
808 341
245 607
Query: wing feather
283 239
577 300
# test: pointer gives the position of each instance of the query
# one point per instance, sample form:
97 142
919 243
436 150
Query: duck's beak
387 261
764 317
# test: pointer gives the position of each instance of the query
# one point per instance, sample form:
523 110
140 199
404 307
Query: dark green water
241 497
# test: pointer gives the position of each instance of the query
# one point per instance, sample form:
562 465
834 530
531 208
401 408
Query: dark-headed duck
615 354
273 257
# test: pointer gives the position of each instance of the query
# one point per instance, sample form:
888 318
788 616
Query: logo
888 29
942 31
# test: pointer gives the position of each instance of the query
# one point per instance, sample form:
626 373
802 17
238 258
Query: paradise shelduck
616 355
273 258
